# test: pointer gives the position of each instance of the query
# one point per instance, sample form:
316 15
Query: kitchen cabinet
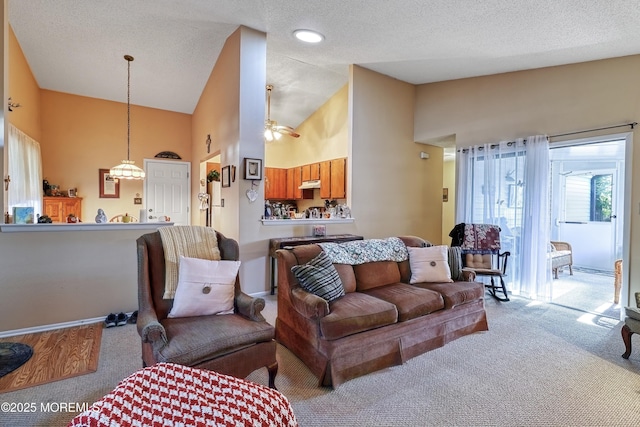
338 179
333 184
297 182
275 185
325 179
306 172
311 172
314 171
58 208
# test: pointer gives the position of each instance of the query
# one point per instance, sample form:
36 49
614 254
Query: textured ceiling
78 46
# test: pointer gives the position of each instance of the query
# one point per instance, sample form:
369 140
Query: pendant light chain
127 169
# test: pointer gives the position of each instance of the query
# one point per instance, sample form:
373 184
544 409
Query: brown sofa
381 321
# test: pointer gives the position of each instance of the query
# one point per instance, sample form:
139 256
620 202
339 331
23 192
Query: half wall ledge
107 226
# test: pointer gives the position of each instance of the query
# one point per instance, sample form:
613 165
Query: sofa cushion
410 301
356 312
319 277
374 274
429 264
456 293
348 278
192 341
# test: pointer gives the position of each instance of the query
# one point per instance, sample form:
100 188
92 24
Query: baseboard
43 328
260 294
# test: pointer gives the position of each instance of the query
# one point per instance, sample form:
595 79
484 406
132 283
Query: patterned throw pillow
320 277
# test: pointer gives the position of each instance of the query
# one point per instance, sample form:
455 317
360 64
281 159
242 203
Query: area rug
57 355
12 356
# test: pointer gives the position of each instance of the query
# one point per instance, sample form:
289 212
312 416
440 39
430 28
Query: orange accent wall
23 89
81 135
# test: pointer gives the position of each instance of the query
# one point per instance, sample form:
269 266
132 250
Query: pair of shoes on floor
116 319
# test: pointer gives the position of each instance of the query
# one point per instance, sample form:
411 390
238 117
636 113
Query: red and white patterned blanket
166 394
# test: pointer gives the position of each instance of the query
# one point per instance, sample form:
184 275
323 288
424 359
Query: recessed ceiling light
308 36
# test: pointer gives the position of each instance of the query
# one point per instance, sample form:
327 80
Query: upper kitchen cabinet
333 179
338 179
293 180
275 185
311 172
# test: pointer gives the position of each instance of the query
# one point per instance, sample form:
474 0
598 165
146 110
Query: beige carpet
57 355
538 365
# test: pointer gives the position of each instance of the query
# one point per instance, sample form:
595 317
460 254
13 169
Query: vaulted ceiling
78 46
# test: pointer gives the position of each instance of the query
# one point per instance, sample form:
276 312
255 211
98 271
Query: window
588 197
601 197
25 169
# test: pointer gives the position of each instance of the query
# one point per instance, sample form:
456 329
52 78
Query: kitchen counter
270 222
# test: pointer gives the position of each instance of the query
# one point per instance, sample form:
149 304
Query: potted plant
213 175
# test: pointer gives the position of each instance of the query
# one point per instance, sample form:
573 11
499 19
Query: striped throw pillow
320 277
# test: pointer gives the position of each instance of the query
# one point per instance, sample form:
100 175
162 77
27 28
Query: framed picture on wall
226 176
252 168
109 186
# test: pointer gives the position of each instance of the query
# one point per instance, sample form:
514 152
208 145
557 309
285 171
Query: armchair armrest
561 246
309 305
154 333
249 307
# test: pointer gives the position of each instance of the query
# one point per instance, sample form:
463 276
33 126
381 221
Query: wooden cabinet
325 179
338 179
306 172
297 182
275 185
58 208
291 189
333 184
314 171
311 172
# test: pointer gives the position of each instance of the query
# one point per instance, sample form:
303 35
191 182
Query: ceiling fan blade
286 130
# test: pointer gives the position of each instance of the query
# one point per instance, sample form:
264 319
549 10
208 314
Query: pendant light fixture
127 169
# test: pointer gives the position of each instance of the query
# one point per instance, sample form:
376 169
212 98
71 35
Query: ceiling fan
273 131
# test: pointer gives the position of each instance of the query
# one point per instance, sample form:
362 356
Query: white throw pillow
204 287
429 264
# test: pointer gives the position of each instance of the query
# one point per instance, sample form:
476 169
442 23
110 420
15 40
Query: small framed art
226 176
252 169
109 186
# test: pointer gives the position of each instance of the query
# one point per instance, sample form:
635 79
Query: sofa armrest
249 307
309 305
468 276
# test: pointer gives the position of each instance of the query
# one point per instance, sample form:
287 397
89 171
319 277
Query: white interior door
166 191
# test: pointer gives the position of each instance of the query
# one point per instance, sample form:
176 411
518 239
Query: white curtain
507 184
25 170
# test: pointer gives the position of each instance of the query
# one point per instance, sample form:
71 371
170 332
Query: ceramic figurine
101 217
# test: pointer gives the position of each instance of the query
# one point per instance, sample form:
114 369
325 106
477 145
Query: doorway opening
209 195
588 213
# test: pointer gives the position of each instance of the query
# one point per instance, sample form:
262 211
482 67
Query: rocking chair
480 248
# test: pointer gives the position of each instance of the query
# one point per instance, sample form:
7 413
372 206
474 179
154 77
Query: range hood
315 183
